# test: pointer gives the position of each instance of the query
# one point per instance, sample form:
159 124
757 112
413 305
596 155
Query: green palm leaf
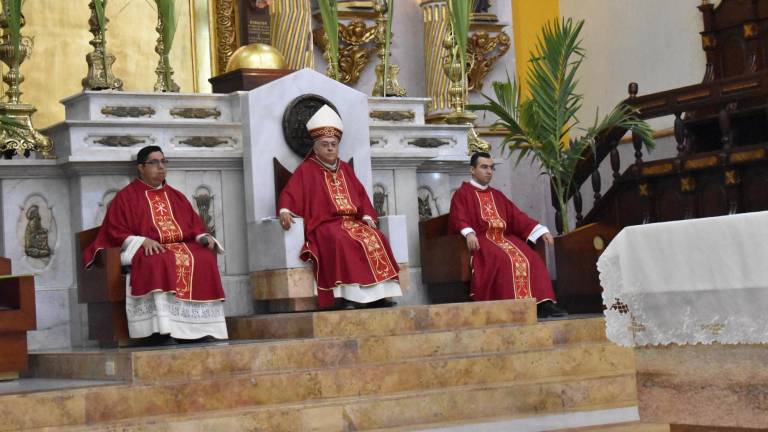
14 27
539 125
329 16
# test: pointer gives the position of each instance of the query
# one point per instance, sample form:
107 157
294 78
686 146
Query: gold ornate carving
128 111
740 86
705 162
731 178
196 113
750 30
204 141
708 42
687 184
226 34
598 243
119 141
657 169
642 190
353 55
747 156
396 116
483 51
688 97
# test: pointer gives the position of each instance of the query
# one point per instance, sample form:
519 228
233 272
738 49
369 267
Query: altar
690 297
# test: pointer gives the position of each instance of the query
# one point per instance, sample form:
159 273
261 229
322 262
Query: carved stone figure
380 200
35 236
482 6
204 203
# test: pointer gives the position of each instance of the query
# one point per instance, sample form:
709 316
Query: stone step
127 401
622 427
193 363
470 402
385 321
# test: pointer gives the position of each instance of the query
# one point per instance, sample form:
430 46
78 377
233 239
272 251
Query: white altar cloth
687 282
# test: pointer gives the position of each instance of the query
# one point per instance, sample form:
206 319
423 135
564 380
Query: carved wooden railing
711 120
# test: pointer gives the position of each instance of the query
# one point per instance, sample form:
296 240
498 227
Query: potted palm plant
542 124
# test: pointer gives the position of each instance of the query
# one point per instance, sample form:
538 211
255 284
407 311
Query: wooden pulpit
17 316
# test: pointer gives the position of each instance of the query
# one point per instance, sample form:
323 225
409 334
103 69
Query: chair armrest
445 259
104 280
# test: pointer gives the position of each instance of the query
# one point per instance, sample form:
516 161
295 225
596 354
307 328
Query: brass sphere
256 56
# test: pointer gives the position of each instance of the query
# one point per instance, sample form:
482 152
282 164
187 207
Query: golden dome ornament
256 56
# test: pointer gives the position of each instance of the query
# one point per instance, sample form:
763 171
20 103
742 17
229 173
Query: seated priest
352 259
503 265
174 286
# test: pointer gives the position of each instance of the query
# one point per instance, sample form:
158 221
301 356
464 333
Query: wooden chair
445 260
17 316
102 289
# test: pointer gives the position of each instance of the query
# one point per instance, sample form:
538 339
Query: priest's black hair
478 155
144 153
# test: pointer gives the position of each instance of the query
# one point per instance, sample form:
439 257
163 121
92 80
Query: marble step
192 363
470 402
622 427
127 401
385 321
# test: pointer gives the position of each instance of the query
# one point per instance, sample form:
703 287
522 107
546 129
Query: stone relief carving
428 142
119 141
196 113
128 111
427 203
204 141
204 202
104 204
36 230
380 203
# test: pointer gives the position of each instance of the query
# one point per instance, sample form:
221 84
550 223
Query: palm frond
12 126
459 11
14 27
387 44
167 11
329 17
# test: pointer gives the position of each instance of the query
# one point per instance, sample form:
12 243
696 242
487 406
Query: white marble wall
54 275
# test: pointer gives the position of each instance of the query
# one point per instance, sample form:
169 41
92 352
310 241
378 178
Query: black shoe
381 303
549 309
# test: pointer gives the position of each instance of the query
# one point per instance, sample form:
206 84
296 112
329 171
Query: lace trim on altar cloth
161 312
689 317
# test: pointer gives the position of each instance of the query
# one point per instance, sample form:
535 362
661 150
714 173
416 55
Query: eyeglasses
156 162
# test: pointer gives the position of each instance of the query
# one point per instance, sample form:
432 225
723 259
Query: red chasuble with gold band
504 267
164 215
342 247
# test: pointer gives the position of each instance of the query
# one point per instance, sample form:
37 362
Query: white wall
655 43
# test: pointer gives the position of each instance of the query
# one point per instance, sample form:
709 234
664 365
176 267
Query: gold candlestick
393 87
24 139
100 76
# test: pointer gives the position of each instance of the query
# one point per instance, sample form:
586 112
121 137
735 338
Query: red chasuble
504 267
164 215
342 247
